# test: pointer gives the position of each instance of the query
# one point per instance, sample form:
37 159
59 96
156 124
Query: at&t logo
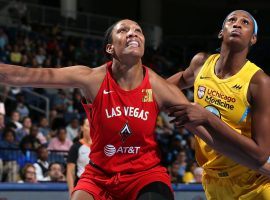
110 150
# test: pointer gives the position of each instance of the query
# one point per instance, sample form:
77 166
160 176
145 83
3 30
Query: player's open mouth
133 43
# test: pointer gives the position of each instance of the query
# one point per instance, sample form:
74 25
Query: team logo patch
213 110
201 91
147 95
125 132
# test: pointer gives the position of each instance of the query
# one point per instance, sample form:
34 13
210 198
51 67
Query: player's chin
237 43
135 53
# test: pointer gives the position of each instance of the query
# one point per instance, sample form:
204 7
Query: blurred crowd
34 147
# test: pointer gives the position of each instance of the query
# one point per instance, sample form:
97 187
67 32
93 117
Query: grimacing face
127 39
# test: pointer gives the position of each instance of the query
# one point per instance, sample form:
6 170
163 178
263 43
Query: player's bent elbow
261 159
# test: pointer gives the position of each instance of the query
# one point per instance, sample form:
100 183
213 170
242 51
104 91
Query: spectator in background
28 44
187 141
198 171
44 128
56 121
189 172
164 131
42 164
81 53
2 124
173 171
60 101
60 142
8 139
3 39
25 61
53 117
188 177
15 119
52 45
25 130
194 176
73 129
76 99
22 108
58 60
182 160
34 63
175 147
48 62
5 54
30 141
56 173
8 156
15 55
28 174
4 93
163 128
70 53
78 156
43 140
41 56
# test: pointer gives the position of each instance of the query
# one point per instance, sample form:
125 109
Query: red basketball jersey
122 126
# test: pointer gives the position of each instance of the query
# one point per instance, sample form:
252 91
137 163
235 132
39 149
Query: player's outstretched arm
43 77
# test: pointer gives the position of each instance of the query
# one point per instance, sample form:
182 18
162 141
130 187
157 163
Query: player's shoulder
166 94
194 67
86 71
259 85
260 78
100 69
159 84
154 78
199 59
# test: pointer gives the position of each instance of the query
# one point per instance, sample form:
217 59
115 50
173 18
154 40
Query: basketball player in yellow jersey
234 147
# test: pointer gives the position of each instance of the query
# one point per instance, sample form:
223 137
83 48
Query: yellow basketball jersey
226 98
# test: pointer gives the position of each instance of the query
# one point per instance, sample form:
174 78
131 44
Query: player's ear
220 34
253 40
110 49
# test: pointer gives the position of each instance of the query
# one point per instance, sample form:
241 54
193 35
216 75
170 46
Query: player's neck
229 63
128 77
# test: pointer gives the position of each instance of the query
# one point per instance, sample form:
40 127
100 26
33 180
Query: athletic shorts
119 186
249 185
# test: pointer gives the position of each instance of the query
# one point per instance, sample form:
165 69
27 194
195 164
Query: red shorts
119 186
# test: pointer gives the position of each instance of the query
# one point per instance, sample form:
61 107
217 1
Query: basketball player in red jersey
123 101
